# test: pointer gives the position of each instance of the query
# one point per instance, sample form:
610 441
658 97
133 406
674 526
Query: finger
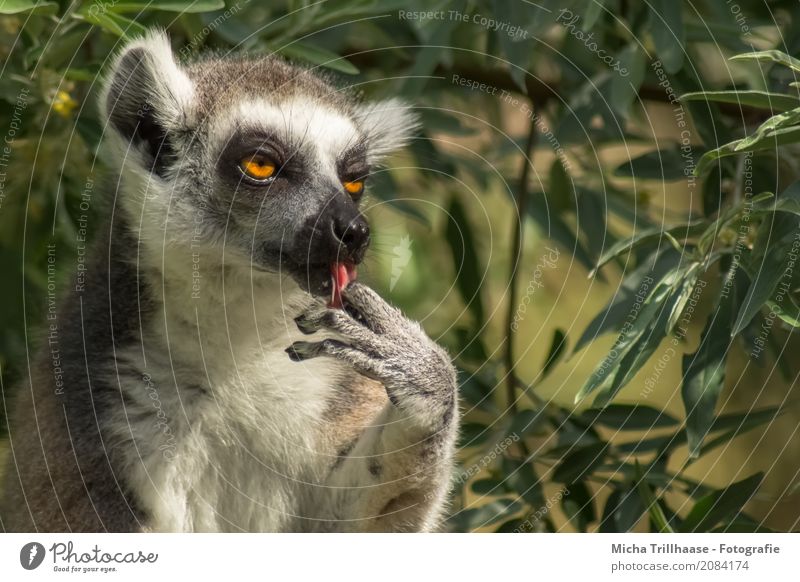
338 321
368 365
375 311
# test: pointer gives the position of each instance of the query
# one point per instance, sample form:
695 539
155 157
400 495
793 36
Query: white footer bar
386 558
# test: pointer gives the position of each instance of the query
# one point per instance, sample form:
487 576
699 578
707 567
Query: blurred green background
653 393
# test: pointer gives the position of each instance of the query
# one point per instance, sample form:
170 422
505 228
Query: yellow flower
63 103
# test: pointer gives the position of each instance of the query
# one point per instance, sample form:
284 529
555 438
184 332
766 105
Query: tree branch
521 200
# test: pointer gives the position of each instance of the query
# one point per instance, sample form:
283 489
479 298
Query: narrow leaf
704 374
469 277
720 505
760 99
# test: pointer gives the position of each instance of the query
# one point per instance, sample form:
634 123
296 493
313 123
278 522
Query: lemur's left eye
258 167
355 187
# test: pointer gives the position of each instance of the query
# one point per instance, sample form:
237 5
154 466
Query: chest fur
219 429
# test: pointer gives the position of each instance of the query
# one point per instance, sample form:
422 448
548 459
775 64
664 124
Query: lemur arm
396 475
394 479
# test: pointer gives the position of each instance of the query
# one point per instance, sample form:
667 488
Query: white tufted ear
147 94
387 126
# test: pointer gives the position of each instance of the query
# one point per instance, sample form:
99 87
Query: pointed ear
387 126
147 95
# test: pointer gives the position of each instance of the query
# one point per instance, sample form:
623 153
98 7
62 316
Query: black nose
352 234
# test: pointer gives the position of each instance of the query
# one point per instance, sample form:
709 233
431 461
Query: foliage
584 77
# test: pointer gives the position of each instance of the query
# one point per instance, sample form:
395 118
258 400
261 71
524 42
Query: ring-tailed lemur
179 406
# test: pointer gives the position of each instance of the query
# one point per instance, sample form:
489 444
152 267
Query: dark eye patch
352 164
290 164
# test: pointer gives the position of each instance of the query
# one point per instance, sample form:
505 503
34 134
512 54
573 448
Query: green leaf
592 212
737 425
557 230
518 49
560 191
635 287
788 311
704 374
469 276
733 425
766 130
316 55
629 511
440 120
625 87
558 346
20 6
579 463
651 504
771 141
630 417
114 23
187 6
788 201
473 434
668 33
526 421
477 392
578 506
665 165
770 56
434 36
644 329
720 505
687 291
622 511
383 186
748 98
485 515
648 235
643 345
594 11
769 250
487 486
522 479
516 525
742 524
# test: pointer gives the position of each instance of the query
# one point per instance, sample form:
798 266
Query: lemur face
292 174
257 161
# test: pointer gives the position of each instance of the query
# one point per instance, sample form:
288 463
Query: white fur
298 120
239 457
172 92
388 126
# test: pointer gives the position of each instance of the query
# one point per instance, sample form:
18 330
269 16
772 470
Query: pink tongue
341 275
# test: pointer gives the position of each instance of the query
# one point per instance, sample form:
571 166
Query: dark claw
297 352
303 325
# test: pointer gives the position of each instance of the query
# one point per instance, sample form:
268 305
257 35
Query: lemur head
254 161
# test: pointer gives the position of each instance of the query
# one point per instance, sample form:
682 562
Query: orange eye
257 167
355 187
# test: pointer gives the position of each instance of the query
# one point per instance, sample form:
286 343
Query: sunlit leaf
31 6
774 56
748 98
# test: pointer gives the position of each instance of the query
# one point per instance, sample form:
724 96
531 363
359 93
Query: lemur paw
382 344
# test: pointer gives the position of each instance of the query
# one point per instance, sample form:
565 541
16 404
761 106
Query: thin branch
521 200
